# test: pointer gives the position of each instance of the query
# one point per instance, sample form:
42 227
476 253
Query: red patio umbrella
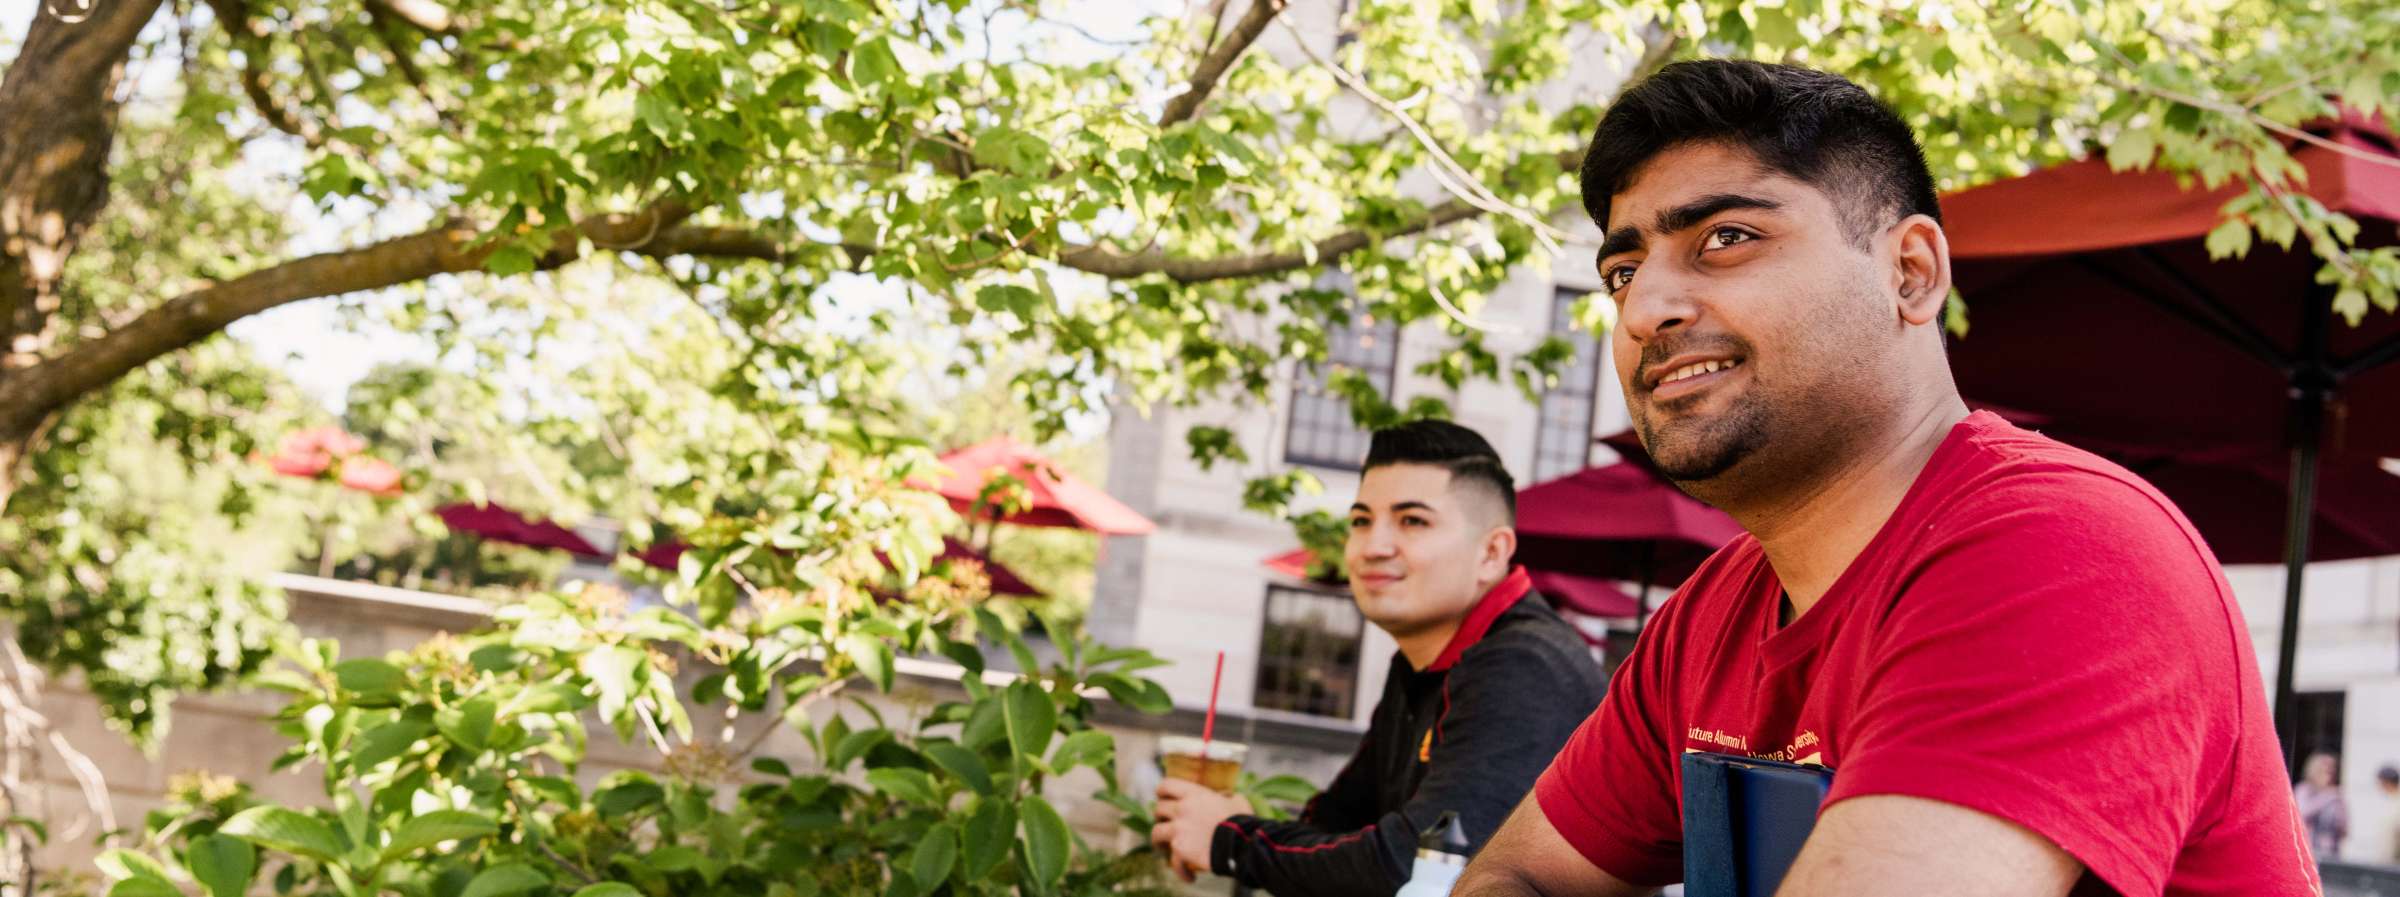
2094 304
1052 497
500 524
1619 521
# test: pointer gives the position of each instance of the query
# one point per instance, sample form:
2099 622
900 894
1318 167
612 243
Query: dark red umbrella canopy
2092 301
1619 521
2237 498
500 524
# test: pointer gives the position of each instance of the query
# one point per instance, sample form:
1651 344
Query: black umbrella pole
2308 422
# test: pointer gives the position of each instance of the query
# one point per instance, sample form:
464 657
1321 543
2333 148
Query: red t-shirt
2035 633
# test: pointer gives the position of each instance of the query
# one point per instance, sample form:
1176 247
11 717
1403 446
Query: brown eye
1617 278
1728 236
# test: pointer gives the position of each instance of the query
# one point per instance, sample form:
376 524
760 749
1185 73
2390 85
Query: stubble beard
1694 452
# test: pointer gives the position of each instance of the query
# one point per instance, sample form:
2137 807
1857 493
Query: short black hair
1440 443
2389 773
1815 127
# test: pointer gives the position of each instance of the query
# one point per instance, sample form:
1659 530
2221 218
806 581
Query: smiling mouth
1698 368
1692 378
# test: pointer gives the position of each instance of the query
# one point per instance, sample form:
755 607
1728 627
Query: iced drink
1218 768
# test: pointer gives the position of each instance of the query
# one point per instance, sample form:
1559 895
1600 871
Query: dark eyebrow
1397 508
1627 239
1684 216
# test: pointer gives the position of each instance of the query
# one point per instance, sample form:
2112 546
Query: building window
1562 443
1308 653
2320 726
1322 433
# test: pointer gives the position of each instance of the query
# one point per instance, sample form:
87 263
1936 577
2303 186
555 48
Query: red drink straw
1209 727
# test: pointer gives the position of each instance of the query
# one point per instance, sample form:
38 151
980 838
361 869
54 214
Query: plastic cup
1218 767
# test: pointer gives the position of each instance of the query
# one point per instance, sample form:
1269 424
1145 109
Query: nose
1658 300
1372 542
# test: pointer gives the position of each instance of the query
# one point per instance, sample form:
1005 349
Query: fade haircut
1464 453
1811 126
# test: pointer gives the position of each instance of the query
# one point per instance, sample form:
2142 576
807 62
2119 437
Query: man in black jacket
1486 687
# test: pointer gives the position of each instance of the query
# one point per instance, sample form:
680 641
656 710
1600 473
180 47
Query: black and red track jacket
1469 733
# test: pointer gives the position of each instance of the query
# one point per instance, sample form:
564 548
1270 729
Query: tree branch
1221 57
447 248
425 15
251 38
1110 263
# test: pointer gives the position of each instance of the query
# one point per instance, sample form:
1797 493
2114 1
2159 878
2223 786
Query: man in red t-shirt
2020 662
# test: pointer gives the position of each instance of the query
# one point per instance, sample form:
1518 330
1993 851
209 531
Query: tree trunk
13 451
60 98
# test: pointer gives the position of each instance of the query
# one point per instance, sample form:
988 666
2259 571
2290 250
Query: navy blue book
1744 821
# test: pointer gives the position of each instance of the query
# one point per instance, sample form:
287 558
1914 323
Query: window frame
1562 301
1259 683
1308 392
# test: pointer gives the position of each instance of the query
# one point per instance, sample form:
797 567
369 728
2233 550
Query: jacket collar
1503 595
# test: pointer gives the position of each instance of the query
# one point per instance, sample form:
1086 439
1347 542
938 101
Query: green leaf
2231 237
608 889
124 864
548 697
1138 693
496 658
911 785
424 831
510 260
368 676
506 881
290 831
1012 150
1045 842
387 741
986 723
469 725
873 63
873 656
965 655
223 865
629 797
854 745
1090 747
960 763
143 887
1032 719
934 856
2131 149
612 670
989 834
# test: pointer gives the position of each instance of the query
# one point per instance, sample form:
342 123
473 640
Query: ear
1499 547
1920 268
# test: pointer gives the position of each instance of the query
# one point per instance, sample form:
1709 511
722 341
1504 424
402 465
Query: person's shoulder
2010 509
2007 479
1530 638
